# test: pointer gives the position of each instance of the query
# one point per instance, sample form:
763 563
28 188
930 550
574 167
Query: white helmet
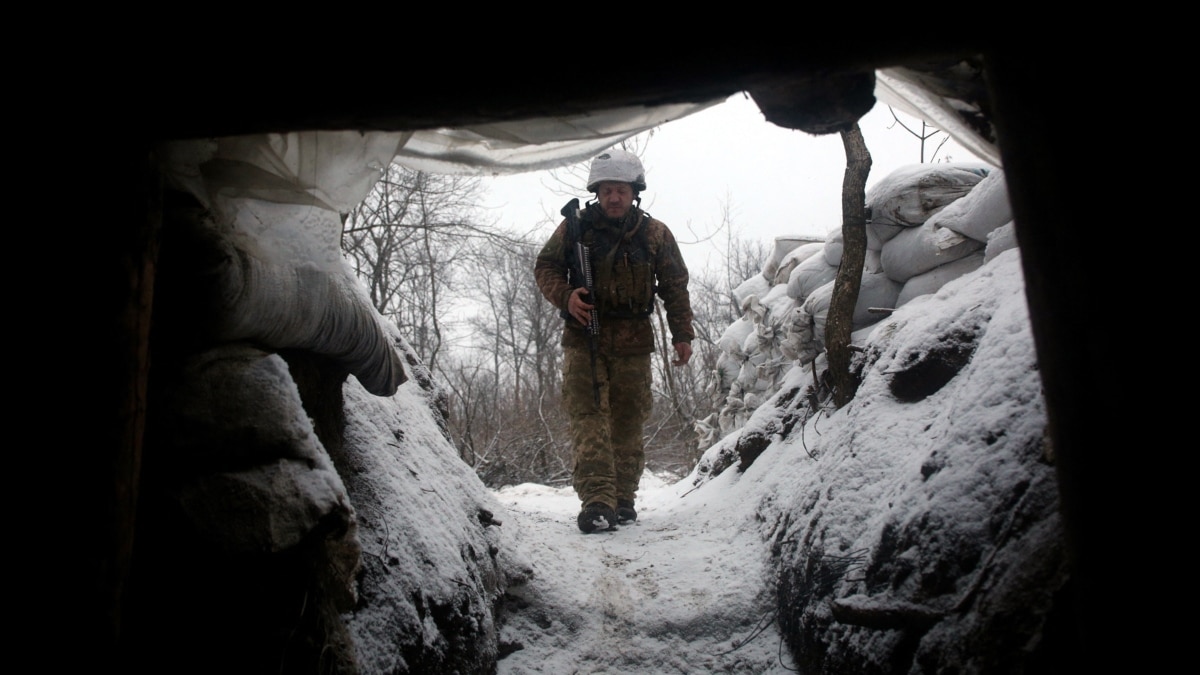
617 165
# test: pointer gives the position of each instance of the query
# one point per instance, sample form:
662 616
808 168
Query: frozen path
685 589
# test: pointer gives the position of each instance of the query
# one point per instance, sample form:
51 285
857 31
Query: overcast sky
775 181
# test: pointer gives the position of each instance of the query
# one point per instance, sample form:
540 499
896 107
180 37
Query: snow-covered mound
917 528
928 224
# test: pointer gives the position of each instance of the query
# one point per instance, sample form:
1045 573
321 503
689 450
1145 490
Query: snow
679 590
930 494
691 585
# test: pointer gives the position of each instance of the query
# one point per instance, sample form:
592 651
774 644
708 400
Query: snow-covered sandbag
982 210
734 337
794 258
876 290
733 415
783 246
728 367
931 281
798 340
912 193
754 399
778 304
833 253
749 375
809 276
1000 240
755 285
917 250
754 310
878 233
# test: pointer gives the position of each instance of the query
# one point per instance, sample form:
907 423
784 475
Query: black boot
625 511
597 516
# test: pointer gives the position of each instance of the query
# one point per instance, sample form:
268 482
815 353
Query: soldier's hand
683 353
577 308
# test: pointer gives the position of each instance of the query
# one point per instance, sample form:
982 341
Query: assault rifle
582 271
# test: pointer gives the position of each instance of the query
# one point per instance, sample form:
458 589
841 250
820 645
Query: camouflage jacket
633 262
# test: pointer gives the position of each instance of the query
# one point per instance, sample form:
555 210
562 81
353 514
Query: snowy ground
690 587
678 591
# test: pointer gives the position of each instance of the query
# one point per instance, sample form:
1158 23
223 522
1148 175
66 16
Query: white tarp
531 145
899 88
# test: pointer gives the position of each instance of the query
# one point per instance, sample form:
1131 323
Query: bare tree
685 395
926 134
839 323
407 241
519 434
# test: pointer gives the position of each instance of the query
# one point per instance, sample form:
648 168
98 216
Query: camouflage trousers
609 455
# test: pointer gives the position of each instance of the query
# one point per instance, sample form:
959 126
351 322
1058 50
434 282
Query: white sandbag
876 290
980 211
733 416
734 337
778 304
728 367
755 285
798 341
783 245
833 248
753 400
748 376
833 252
917 250
934 279
1000 240
911 194
878 233
794 258
809 276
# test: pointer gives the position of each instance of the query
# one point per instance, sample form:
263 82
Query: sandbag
734 337
912 193
794 258
876 290
755 285
809 276
934 279
833 253
982 210
783 246
1000 240
917 250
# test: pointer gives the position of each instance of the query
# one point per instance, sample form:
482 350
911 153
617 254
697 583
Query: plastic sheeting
899 87
531 145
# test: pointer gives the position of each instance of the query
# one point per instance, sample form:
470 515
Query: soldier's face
615 198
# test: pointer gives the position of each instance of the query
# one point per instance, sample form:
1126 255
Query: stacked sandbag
810 247
751 362
876 292
765 362
917 250
810 275
980 211
783 247
952 241
929 224
732 354
1000 240
908 196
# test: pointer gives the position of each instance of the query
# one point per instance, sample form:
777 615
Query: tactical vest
622 263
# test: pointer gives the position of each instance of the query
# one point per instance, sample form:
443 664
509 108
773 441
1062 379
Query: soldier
606 373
